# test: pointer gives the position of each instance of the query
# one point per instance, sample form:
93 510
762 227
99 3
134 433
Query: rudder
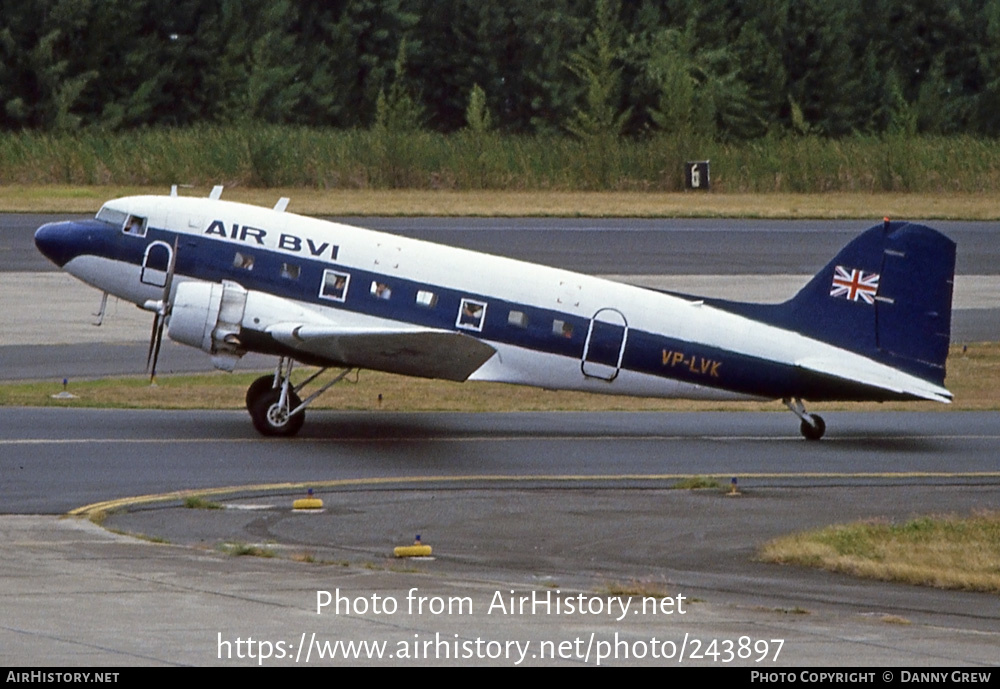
914 308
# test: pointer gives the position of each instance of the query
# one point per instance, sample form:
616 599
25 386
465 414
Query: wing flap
422 353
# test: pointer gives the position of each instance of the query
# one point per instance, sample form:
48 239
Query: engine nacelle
214 316
209 316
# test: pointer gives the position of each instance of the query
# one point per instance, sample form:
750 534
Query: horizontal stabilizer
857 373
422 353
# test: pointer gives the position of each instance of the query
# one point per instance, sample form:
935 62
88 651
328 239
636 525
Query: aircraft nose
54 240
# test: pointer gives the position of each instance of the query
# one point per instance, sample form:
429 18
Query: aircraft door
605 346
155 263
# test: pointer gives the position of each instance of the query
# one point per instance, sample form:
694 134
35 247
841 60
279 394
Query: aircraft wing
424 353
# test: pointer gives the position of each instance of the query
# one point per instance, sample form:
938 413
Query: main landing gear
813 427
274 403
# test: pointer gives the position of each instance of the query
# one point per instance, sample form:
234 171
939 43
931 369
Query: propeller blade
155 344
152 339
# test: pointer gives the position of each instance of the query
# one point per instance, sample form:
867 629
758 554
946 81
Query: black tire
258 388
814 430
270 420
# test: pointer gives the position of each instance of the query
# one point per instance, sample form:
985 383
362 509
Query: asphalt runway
83 456
514 504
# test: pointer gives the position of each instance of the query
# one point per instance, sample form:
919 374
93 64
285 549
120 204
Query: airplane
230 278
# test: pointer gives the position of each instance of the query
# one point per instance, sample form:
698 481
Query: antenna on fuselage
216 192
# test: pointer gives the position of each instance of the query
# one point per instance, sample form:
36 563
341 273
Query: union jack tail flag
854 284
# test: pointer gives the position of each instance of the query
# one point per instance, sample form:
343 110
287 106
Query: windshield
112 216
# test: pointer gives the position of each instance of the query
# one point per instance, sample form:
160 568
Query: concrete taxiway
518 577
521 505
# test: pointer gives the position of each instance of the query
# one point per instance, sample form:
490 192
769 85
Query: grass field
973 377
308 201
945 551
252 155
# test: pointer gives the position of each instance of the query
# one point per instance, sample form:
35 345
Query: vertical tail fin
886 295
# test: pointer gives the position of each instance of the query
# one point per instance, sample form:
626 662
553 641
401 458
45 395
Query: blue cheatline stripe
212 260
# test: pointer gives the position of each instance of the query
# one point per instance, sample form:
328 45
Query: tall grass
268 156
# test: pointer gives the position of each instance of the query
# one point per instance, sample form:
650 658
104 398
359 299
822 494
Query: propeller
162 310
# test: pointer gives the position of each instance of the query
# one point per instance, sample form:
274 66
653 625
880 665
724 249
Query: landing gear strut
813 427
274 404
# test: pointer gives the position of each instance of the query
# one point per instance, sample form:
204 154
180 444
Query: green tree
668 67
986 107
397 110
757 49
541 93
273 89
461 44
477 115
597 66
819 62
350 50
45 71
699 89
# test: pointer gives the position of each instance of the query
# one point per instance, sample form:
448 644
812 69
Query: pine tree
597 66
477 116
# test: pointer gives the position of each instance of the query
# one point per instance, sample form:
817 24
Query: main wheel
814 430
258 388
271 419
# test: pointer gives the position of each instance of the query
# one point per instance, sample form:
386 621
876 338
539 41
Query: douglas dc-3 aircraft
230 278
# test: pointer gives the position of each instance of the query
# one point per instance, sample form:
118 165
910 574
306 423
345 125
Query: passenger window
242 260
471 314
428 299
380 290
518 319
334 285
562 329
290 271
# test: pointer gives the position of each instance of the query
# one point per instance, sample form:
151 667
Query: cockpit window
135 225
112 216
129 224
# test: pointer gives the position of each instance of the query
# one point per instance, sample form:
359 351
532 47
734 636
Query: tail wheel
271 418
258 388
813 428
